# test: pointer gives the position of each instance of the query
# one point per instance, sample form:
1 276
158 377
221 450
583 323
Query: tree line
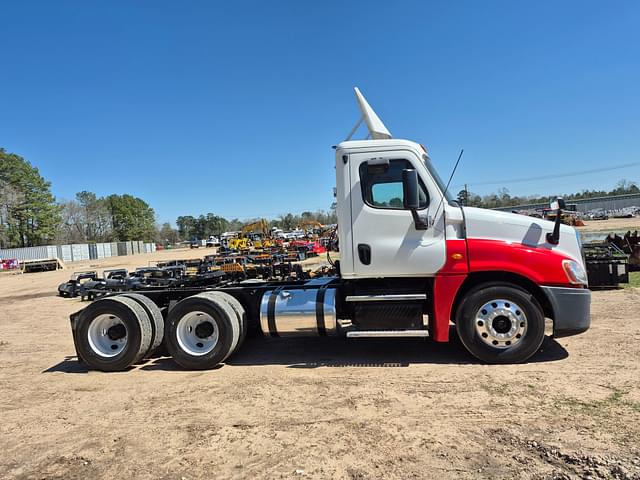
30 214
89 218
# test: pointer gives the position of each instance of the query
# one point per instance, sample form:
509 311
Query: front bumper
571 310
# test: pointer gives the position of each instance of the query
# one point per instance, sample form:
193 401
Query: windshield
434 173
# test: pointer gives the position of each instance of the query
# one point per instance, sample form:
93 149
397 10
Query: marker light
575 273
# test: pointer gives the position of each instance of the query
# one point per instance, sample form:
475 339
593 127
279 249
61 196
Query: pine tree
29 214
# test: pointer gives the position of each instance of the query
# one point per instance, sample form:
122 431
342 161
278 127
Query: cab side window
384 190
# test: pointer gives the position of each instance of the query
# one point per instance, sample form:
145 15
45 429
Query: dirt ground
611 225
310 408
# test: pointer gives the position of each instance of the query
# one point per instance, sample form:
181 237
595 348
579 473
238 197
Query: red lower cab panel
540 265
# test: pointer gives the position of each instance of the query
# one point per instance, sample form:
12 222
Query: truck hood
530 231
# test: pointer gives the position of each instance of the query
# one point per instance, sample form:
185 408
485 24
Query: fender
542 266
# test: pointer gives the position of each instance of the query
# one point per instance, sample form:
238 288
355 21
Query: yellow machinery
254 234
568 218
261 228
313 226
239 243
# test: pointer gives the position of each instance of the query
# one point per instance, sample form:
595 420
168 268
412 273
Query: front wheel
500 324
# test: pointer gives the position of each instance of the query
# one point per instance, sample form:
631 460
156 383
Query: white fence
30 253
78 252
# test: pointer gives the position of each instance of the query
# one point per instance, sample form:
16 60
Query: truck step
402 297
387 333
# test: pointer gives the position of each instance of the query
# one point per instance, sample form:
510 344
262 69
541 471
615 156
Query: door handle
364 253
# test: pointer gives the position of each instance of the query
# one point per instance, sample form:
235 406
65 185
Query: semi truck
413 263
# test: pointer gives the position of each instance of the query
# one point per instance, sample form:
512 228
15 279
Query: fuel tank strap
322 329
271 312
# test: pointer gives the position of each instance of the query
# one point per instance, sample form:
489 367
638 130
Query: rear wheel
113 333
201 332
155 315
500 324
237 307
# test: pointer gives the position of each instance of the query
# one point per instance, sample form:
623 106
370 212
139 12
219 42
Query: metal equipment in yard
255 235
258 234
239 243
76 284
629 243
213 270
45 265
607 265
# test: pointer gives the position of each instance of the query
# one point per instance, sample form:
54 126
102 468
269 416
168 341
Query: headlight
575 273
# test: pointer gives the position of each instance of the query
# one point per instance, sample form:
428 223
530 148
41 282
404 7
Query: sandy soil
611 225
314 408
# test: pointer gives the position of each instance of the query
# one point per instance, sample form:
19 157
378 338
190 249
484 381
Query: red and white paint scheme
459 250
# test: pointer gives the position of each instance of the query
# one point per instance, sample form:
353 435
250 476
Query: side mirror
410 189
411 198
558 204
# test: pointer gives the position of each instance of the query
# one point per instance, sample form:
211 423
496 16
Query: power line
554 176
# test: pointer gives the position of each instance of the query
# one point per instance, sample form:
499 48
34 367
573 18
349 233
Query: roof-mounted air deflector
377 130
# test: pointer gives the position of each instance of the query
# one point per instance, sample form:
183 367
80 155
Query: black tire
138 333
487 338
226 328
157 320
236 324
239 310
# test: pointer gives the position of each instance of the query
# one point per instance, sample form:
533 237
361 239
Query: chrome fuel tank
298 312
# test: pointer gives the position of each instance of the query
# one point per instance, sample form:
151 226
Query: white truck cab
462 251
379 237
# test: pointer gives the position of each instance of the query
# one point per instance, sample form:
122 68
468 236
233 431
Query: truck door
385 240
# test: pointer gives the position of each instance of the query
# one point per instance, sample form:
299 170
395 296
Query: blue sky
232 107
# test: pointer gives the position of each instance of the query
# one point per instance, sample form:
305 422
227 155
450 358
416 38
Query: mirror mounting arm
419 222
553 238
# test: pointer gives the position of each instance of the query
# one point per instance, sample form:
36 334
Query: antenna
446 189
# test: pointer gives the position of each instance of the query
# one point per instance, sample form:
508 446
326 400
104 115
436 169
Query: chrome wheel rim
501 323
197 333
107 335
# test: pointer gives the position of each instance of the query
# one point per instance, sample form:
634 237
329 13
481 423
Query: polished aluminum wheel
501 323
197 333
107 335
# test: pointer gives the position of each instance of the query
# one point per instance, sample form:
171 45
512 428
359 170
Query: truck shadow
70 364
370 352
314 352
